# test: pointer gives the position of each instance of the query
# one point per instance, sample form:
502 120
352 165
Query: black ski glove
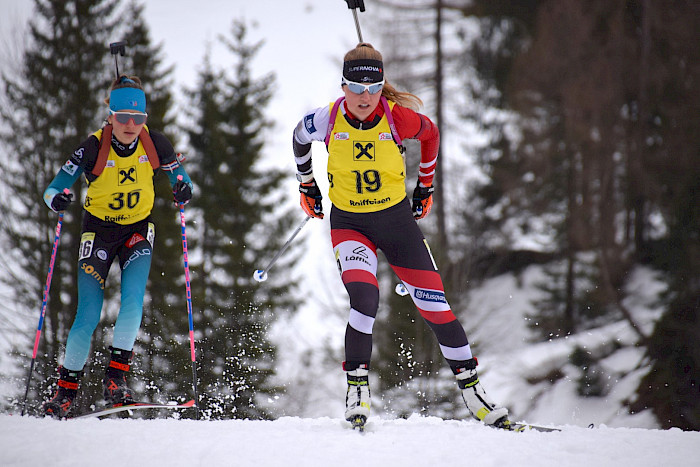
61 201
182 192
311 199
422 200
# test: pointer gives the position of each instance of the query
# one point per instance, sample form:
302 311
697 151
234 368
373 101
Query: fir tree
238 226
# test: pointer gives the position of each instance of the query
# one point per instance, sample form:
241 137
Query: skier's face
126 133
361 105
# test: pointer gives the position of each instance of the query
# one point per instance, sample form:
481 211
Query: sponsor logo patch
309 123
135 255
341 136
370 202
356 68
69 168
134 240
101 254
127 176
385 137
119 218
359 254
430 296
90 271
364 151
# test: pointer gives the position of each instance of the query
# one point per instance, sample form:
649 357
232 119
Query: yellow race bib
366 170
124 192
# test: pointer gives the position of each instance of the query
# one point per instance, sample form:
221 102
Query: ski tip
176 404
520 427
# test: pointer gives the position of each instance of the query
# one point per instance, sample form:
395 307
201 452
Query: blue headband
127 99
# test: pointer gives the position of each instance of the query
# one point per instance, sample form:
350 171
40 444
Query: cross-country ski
137 406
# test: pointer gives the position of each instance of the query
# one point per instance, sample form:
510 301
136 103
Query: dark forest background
589 117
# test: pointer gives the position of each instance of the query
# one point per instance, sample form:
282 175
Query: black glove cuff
310 189
423 192
182 192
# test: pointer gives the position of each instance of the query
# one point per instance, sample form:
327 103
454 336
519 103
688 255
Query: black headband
363 71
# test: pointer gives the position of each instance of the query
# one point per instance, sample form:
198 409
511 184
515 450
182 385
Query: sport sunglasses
359 88
124 117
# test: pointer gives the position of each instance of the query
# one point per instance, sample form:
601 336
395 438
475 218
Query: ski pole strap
103 154
387 112
150 148
331 119
390 119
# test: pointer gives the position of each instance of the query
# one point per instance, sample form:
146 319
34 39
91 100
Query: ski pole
189 304
260 275
43 305
354 5
117 48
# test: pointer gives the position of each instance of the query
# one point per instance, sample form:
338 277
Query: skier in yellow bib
119 162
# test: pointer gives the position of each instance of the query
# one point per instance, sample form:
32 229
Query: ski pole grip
353 4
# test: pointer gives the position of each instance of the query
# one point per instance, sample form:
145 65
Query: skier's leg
92 272
136 264
409 255
357 261
95 258
90 298
356 257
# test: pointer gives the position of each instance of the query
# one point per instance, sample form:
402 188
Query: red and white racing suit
366 174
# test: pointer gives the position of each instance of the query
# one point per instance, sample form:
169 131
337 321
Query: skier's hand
422 200
61 201
311 199
182 192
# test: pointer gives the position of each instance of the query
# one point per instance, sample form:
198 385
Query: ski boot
357 400
116 392
60 406
478 403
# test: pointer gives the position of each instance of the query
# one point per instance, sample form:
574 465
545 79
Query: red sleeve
412 125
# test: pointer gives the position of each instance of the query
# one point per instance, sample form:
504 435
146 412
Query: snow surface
416 441
312 434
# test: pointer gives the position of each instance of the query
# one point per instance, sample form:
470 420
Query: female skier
363 132
119 162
